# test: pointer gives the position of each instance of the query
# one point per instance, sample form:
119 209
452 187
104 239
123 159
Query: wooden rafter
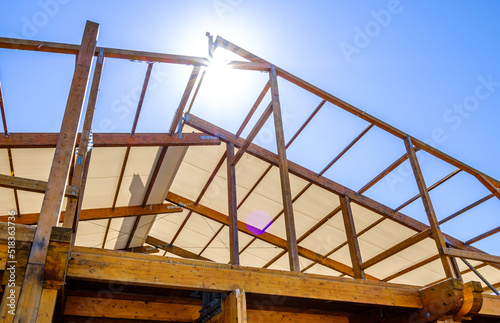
221 42
184 100
465 209
255 130
141 98
253 109
49 140
429 209
430 188
160 244
411 268
346 149
31 185
266 237
483 236
322 103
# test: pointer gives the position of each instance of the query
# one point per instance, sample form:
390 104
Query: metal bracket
211 306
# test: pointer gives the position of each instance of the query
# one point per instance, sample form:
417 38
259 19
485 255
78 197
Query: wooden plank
234 308
471 255
102 213
271 316
305 123
195 94
31 185
49 140
253 133
173 249
429 209
47 306
146 270
465 209
2 111
491 305
291 236
397 248
77 179
352 239
353 110
11 296
141 98
130 309
184 100
383 173
346 149
253 109
430 188
31 290
234 250
483 236
267 237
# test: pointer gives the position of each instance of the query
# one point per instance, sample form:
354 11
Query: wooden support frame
322 103
234 250
483 236
465 209
141 98
260 123
184 100
253 109
285 179
31 185
429 209
31 291
163 245
49 140
352 239
81 164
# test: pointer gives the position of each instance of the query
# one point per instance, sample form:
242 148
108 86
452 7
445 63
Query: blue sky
430 68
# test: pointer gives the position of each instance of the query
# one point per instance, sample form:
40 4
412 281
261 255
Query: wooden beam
429 209
307 174
352 239
184 100
195 94
31 185
411 268
234 250
267 237
483 236
491 305
383 173
130 309
141 98
89 264
430 188
346 149
77 179
234 309
471 255
253 133
173 249
291 237
305 124
49 140
353 110
51 47
31 289
104 213
253 109
397 248
465 209
2 111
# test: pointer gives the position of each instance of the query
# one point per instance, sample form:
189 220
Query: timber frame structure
50 272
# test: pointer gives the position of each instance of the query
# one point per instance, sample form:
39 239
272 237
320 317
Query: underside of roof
367 199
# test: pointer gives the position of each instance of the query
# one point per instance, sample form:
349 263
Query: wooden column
429 209
234 309
71 216
352 239
31 290
284 176
232 207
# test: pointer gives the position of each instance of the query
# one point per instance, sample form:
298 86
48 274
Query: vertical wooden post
352 239
232 207
284 176
31 290
429 209
71 216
